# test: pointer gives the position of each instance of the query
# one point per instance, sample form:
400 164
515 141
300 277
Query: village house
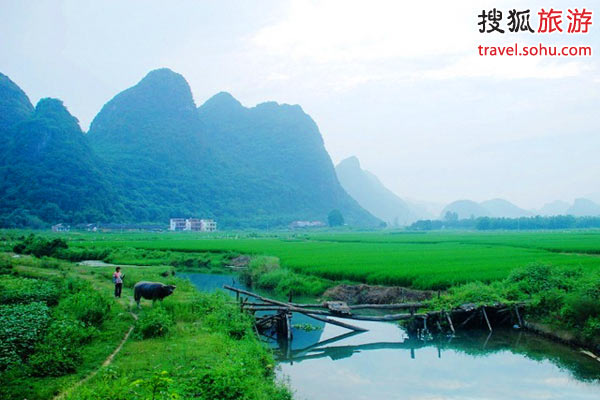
61 228
307 224
192 224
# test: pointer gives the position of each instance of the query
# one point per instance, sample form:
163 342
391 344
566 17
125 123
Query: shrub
5 264
579 307
52 360
591 329
473 292
25 290
59 352
21 326
547 302
87 306
153 322
40 247
228 319
538 278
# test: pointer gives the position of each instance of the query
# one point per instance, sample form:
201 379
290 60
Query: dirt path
106 362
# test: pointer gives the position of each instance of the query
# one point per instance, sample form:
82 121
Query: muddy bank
371 294
563 336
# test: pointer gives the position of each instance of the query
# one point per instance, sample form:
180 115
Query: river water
385 363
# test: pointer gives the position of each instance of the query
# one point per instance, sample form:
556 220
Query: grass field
421 260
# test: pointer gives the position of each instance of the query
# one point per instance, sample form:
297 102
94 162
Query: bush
538 278
228 319
579 307
21 326
550 301
265 273
153 322
25 290
5 264
473 292
87 306
59 352
40 247
52 360
591 329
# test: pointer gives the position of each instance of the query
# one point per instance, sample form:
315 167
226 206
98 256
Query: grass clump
153 322
265 273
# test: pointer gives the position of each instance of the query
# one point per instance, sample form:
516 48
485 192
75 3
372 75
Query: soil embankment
372 294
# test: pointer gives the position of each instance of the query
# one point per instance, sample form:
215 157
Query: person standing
118 281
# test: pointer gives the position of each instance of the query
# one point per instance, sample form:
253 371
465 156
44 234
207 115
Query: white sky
397 84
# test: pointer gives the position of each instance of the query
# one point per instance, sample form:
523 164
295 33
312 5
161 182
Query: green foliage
50 152
557 222
115 173
473 292
153 322
40 246
21 326
59 352
335 218
265 273
224 382
566 298
5 264
88 306
25 290
158 384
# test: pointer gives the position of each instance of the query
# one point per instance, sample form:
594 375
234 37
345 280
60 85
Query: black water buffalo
151 291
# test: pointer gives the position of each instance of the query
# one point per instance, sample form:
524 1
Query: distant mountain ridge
151 154
372 195
500 208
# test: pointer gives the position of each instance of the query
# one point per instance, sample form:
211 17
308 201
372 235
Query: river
385 363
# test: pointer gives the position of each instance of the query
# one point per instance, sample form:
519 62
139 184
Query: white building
61 228
192 224
208 225
177 224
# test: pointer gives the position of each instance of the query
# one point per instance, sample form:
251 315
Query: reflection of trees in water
475 343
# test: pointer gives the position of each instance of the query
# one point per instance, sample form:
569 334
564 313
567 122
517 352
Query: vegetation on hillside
151 155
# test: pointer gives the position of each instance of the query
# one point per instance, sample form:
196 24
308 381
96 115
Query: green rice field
421 260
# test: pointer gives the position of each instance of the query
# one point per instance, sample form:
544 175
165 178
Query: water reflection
387 364
384 362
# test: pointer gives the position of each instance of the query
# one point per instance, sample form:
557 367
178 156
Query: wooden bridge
441 320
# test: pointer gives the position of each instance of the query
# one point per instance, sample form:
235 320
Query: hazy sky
398 84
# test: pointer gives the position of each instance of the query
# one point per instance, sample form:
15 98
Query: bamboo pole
297 309
486 318
518 316
450 322
338 323
382 318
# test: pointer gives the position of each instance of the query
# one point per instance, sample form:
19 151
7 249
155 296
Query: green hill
274 159
150 155
50 174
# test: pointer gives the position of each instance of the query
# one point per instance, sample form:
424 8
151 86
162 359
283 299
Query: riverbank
546 271
191 345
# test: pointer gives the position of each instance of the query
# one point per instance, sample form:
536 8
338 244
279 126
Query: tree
335 218
451 216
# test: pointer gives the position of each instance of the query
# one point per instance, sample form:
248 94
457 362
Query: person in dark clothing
118 281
